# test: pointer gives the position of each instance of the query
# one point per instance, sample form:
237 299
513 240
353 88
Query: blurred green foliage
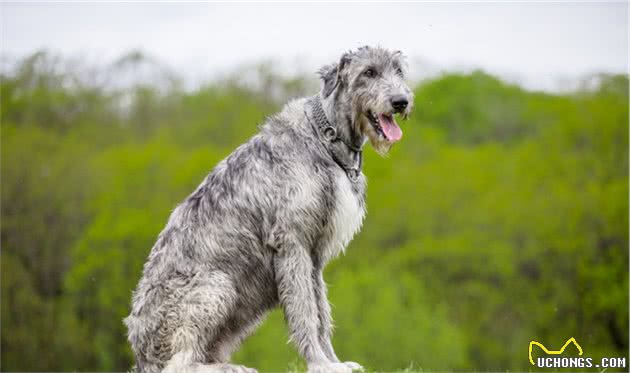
500 218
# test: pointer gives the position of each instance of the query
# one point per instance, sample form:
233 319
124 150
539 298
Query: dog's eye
370 73
399 71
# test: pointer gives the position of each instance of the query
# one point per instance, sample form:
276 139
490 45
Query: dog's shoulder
287 130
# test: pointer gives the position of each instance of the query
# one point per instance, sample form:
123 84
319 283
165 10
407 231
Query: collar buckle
330 133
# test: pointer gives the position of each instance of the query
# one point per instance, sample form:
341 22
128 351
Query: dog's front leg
325 319
294 267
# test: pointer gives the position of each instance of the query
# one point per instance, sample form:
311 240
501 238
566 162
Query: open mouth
385 125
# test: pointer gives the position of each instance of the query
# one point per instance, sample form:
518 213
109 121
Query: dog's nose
399 103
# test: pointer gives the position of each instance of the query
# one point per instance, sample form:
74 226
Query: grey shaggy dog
260 228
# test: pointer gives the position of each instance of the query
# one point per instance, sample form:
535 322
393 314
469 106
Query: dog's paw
330 368
226 368
356 367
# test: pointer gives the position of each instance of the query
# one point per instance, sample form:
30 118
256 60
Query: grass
299 366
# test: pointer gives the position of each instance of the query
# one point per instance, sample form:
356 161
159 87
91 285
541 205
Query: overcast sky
537 44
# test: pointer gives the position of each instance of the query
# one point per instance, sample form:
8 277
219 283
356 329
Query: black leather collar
347 155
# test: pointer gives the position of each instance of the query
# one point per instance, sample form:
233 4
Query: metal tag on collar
330 133
353 174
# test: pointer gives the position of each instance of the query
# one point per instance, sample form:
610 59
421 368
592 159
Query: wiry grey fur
259 230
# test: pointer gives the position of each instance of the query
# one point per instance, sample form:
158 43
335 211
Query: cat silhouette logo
553 352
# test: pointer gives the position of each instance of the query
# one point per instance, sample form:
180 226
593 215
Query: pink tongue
390 128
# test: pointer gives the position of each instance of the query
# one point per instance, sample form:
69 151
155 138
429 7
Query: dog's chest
346 216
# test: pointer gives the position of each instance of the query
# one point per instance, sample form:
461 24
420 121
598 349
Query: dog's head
368 86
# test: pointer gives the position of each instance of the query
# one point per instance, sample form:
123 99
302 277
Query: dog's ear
328 74
331 75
